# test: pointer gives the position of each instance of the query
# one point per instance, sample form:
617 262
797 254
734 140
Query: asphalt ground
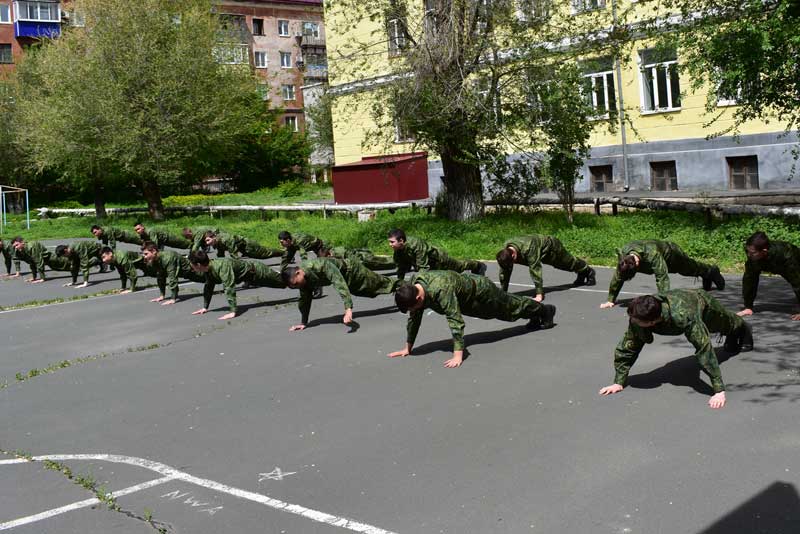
204 426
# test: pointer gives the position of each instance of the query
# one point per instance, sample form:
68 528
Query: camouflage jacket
783 259
36 255
653 259
302 243
530 251
82 254
417 255
112 234
323 272
126 261
170 267
9 255
228 272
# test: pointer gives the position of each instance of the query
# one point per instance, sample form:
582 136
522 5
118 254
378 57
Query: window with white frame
78 20
401 132
660 84
232 54
287 91
5 53
291 123
311 29
397 36
5 14
579 6
286 60
598 86
37 11
283 28
260 59
533 10
263 90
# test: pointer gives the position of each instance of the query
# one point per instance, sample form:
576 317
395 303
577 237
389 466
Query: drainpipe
621 102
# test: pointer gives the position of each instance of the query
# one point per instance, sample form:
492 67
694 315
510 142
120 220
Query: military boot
715 277
545 320
740 340
586 278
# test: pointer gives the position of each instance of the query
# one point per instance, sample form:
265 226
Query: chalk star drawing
275 474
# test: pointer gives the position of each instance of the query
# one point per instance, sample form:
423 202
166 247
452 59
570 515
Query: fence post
614 208
597 206
27 210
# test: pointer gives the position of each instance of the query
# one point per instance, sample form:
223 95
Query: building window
261 60
660 85
311 29
397 36
579 6
263 90
286 60
291 123
533 10
283 28
288 92
5 14
258 26
78 20
5 54
602 178
37 11
743 172
402 133
232 54
598 87
664 176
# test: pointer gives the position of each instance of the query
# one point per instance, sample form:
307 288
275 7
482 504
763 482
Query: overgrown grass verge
592 237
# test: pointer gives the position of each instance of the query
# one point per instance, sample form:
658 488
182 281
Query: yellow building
661 146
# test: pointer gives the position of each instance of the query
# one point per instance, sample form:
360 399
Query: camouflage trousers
557 256
717 318
371 261
251 249
446 263
262 276
491 302
362 282
679 262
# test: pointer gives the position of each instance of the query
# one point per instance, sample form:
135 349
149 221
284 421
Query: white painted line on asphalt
87 299
584 289
13 461
81 504
170 473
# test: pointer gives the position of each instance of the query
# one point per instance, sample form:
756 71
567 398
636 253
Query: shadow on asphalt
480 338
336 319
547 289
683 372
775 510
244 308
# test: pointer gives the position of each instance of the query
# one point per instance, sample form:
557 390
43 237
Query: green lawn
593 238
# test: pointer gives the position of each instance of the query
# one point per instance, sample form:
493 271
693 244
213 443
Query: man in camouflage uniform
412 253
237 245
302 243
126 262
534 250
36 256
348 277
197 236
659 258
452 294
109 236
84 255
371 261
162 238
777 257
691 312
169 267
9 256
229 272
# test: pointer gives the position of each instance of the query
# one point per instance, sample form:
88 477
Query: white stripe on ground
585 289
173 474
87 299
81 504
13 461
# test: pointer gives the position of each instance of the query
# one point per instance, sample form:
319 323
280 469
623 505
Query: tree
460 80
141 93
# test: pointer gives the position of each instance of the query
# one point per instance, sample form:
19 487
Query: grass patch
592 237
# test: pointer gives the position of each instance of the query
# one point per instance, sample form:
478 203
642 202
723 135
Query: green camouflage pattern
126 263
691 312
169 267
371 261
783 259
348 277
199 238
112 235
419 255
452 294
302 243
9 256
59 264
163 238
658 258
36 256
231 271
533 251
85 255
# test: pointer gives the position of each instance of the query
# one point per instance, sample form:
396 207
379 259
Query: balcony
232 54
37 19
315 72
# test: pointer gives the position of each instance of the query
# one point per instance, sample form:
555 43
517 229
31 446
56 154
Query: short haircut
209 233
758 241
627 267
149 245
505 258
61 250
96 227
645 308
138 223
405 296
397 233
198 257
18 239
324 252
288 274
106 250
284 235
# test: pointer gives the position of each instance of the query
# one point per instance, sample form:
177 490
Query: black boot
746 338
740 340
317 293
545 320
586 278
717 278
480 269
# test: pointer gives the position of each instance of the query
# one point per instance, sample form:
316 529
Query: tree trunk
152 193
463 189
99 201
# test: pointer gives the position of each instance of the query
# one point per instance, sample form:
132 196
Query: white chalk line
81 504
170 473
585 289
87 299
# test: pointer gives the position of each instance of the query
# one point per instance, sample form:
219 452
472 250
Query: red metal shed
390 178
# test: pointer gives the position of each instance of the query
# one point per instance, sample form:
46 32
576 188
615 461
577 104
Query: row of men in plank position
439 282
